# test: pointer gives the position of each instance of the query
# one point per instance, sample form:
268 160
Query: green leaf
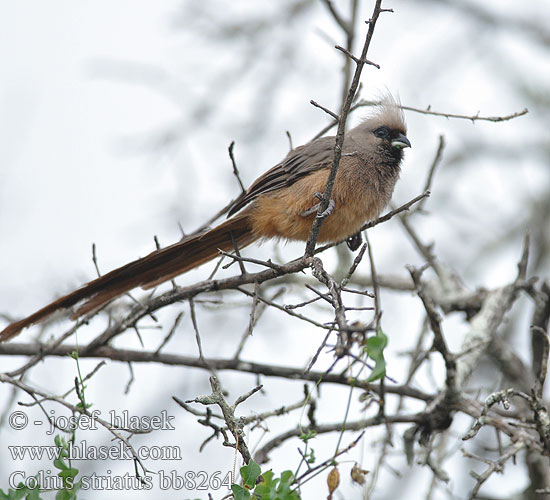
267 485
240 493
10 495
77 486
306 436
64 495
4 495
250 474
285 487
274 488
287 477
72 472
60 464
20 492
33 495
375 349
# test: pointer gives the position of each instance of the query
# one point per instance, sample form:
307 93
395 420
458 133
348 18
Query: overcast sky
115 119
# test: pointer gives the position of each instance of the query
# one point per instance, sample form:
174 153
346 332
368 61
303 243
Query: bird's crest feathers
386 110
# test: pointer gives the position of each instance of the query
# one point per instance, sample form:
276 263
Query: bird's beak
401 142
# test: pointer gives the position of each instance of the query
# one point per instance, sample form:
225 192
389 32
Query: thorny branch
522 425
234 425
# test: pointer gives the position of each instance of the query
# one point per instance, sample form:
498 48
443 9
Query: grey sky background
115 123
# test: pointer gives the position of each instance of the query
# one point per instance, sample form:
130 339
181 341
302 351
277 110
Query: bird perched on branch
282 203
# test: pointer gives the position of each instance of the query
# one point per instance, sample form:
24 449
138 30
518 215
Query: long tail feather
147 272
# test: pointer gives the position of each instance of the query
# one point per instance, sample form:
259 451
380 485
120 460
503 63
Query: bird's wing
299 162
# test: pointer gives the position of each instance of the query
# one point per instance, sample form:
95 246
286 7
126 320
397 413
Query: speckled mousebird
279 204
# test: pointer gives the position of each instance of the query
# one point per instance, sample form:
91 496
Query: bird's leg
315 208
353 242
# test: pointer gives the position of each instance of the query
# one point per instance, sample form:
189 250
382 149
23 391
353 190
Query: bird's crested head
385 126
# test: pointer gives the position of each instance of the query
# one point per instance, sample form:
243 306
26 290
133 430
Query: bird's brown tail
147 272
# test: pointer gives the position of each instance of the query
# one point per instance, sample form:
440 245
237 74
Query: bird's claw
315 208
354 241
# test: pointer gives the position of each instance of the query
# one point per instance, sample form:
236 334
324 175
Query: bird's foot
354 242
315 208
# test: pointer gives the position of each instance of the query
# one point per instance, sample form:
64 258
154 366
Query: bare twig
316 227
235 169
233 424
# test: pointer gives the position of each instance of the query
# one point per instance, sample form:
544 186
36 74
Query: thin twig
316 227
235 169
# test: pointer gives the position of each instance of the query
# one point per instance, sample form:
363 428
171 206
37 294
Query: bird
282 203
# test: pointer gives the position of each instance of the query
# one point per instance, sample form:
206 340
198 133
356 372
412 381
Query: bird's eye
382 132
